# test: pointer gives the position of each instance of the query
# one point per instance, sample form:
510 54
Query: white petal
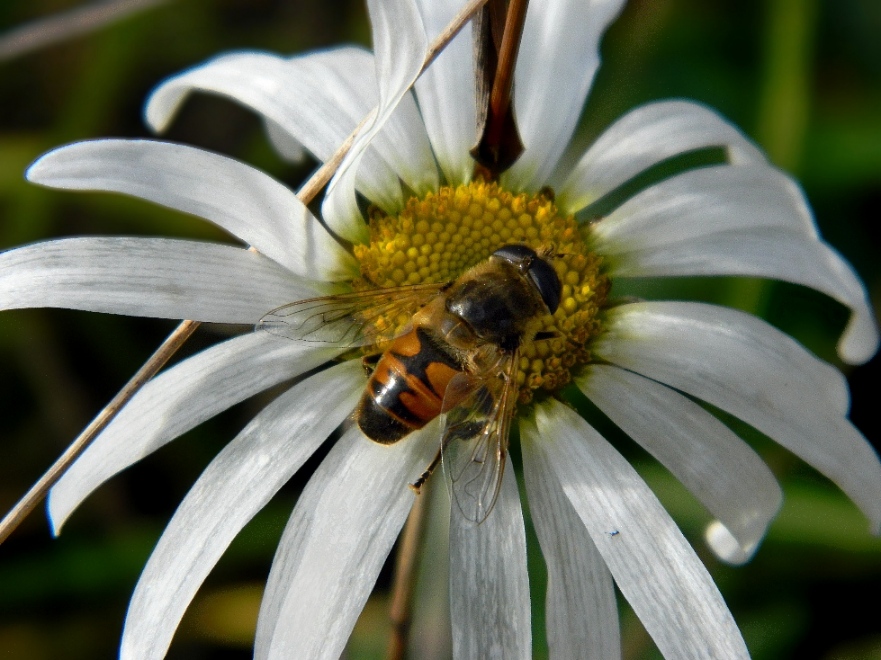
244 201
317 99
705 201
335 543
446 93
742 365
652 563
287 146
285 91
403 142
399 45
722 471
774 253
645 136
346 76
581 610
724 545
489 586
340 206
155 277
236 485
559 56
177 400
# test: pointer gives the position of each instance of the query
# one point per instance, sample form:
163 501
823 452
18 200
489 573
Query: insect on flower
457 356
448 289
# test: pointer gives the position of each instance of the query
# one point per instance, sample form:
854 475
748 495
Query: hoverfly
456 358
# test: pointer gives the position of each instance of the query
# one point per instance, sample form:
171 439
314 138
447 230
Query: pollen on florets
437 237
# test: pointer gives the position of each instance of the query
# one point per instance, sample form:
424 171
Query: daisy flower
646 365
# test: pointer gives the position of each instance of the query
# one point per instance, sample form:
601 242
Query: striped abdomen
406 390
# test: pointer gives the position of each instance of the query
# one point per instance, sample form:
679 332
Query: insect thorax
498 303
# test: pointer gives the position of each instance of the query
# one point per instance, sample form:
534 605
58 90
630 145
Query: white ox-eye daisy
596 520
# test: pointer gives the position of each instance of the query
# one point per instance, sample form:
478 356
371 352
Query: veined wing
474 440
349 319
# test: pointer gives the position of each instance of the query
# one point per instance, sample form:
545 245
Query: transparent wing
349 319
475 436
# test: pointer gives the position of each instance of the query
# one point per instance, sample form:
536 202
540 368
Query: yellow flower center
438 237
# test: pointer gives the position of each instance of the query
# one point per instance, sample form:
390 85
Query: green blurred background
801 77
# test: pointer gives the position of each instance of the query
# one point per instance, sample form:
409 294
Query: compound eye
545 279
517 255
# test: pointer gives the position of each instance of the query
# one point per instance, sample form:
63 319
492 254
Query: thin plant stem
504 78
453 28
784 108
784 100
321 178
170 346
496 45
68 25
38 491
406 565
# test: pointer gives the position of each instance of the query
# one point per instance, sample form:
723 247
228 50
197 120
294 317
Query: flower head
643 364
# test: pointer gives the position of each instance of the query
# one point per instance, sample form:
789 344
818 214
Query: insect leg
369 362
417 485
